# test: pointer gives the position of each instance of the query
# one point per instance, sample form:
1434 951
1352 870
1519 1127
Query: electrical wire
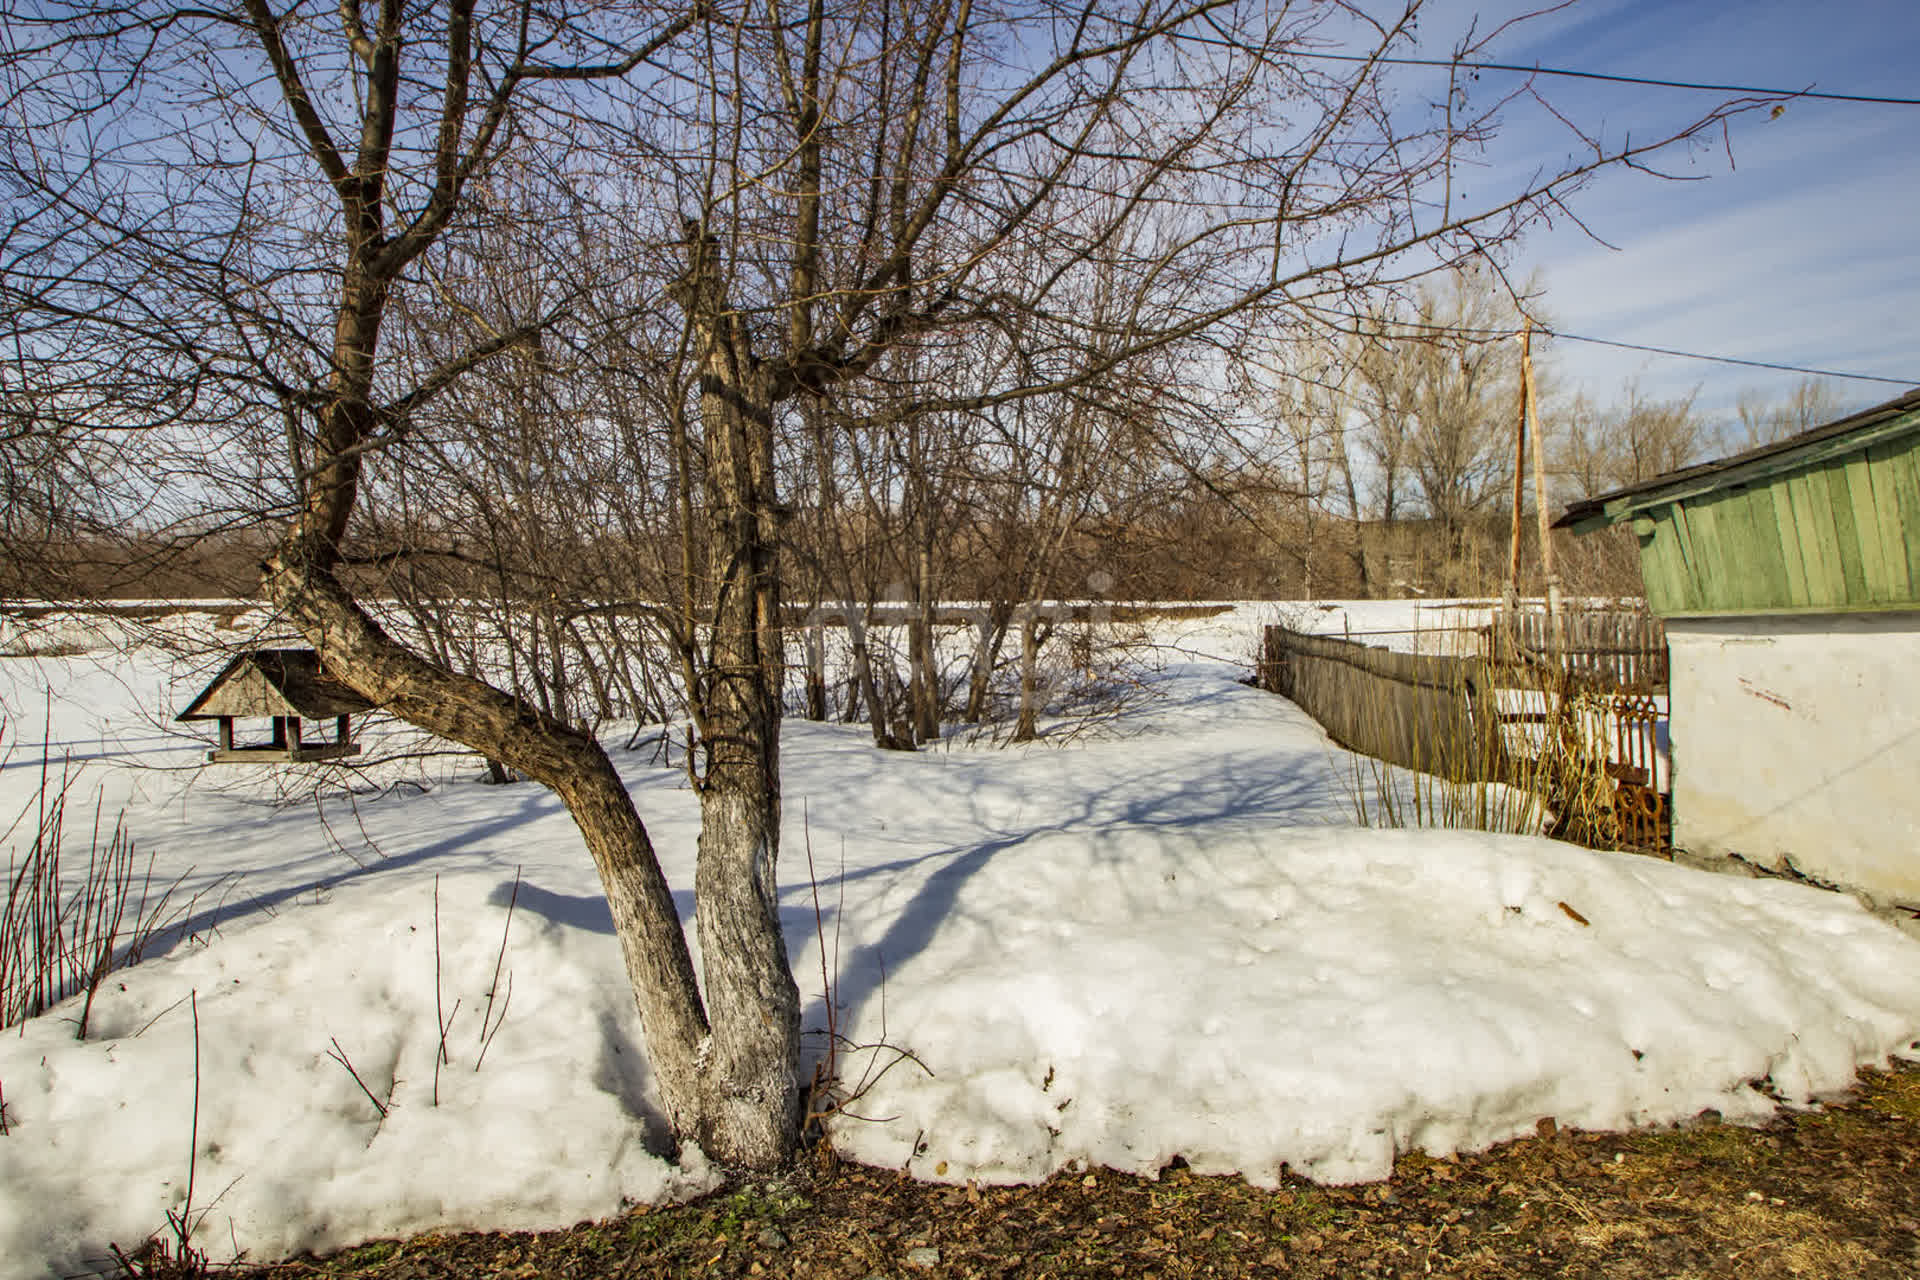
1486 334
1752 364
1614 79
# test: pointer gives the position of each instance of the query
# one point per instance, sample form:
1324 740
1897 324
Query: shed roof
275 682
1897 417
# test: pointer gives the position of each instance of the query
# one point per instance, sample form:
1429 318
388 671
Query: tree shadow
1239 786
588 912
531 807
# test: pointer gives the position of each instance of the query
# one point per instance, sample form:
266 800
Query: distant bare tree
1440 378
1632 441
1300 389
1385 406
65 502
1465 379
1812 402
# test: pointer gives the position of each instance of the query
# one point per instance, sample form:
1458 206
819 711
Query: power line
1752 364
1486 334
1601 75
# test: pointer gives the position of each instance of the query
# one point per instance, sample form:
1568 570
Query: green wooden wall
1838 534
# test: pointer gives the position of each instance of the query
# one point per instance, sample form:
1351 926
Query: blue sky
1804 253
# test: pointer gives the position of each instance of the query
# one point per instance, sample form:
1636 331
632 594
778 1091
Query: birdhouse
288 687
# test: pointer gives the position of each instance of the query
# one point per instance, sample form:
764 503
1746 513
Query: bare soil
1833 1192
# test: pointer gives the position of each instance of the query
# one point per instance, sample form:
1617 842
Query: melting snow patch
1252 998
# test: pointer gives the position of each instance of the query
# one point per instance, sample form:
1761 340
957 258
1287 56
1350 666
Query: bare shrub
64 928
831 1094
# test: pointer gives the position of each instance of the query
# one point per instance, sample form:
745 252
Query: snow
293 1155
1405 626
1164 938
1324 999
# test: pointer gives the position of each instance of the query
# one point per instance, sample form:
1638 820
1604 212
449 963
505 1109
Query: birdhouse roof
275 682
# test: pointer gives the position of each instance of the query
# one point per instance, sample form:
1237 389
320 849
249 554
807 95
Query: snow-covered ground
1164 938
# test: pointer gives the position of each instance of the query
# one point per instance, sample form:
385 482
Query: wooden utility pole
1510 597
1532 410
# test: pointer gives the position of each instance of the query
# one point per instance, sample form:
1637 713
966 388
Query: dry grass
1544 775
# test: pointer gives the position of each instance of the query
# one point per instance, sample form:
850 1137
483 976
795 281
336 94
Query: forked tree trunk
727 1071
985 656
299 579
867 689
572 764
726 1079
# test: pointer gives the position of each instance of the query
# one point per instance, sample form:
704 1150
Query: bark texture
752 1063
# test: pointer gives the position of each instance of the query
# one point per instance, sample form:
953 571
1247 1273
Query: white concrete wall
1796 742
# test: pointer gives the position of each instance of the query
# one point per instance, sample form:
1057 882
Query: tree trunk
354 648
753 1006
817 670
1027 730
980 681
926 662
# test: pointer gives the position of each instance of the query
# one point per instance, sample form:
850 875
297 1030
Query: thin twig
505 1002
353 803
826 1071
486 1017
439 1014
156 1017
339 1055
193 1139
339 846
819 934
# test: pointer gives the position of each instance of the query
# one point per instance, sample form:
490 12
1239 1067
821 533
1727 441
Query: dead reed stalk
489 1027
63 929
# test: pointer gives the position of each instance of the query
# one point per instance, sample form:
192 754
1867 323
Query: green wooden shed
1826 521
1789 579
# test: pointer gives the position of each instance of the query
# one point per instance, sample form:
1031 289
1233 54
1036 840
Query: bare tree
1305 389
1440 377
256 205
1386 409
1464 376
1812 402
1629 442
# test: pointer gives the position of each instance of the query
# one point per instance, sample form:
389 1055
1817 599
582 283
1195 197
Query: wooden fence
1434 714
1578 723
1617 649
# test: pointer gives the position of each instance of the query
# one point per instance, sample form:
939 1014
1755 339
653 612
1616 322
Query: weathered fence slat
1434 714
1623 649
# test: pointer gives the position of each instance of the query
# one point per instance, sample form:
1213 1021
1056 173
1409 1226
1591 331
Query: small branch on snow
486 1017
487 1043
339 1055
